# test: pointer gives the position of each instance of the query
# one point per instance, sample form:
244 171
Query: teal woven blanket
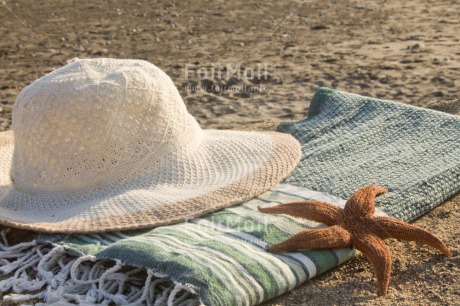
348 141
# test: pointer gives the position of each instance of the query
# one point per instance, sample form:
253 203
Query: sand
403 51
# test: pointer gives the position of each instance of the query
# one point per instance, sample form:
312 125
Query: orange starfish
354 226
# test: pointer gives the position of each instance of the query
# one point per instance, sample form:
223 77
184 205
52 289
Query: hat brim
227 168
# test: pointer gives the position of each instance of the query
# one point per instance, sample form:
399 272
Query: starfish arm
380 257
312 210
324 238
362 202
386 227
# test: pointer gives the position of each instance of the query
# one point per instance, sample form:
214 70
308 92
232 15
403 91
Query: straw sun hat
104 145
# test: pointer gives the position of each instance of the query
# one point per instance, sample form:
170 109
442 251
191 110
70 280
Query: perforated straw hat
104 145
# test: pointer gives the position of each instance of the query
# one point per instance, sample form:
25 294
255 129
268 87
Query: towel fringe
32 271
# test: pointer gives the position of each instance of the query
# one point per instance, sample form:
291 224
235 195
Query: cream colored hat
104 145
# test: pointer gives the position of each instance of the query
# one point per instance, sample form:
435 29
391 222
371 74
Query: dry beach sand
406 51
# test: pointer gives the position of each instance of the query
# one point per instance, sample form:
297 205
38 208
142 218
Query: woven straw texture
108 144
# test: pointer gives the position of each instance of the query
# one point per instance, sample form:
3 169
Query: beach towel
347 140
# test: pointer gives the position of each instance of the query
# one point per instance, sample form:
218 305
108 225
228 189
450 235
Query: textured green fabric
349 141
221 256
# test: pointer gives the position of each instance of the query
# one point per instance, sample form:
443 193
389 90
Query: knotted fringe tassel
32 272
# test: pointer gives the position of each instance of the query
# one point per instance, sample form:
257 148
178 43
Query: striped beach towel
220 257
347 140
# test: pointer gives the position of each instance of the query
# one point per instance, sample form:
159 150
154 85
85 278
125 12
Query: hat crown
92 122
